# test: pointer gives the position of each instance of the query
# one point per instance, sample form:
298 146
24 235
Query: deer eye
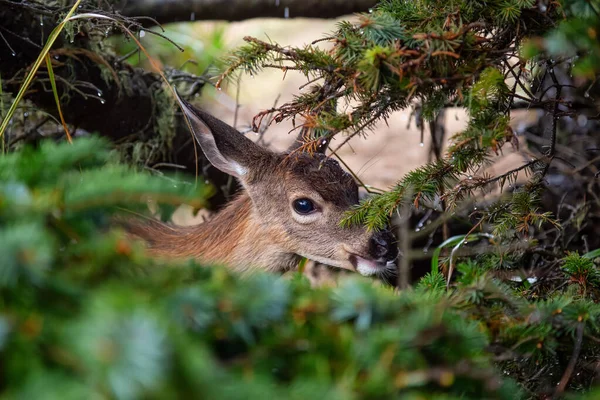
303 206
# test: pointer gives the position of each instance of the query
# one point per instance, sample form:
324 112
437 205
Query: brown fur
231 237
260 228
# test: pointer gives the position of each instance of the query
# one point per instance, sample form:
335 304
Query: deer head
292 206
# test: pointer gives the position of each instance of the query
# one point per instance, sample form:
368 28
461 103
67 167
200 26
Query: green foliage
84 314
575 37
464 54
582 271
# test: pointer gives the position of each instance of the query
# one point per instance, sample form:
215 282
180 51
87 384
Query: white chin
367 267
370 267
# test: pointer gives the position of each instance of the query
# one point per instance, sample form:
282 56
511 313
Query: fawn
291 207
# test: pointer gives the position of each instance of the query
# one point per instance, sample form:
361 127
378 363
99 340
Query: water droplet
421 144
470 177
587 94
193 16
286 12
25 114
142 33
99 93
41 22
56 57
370 11
582 120
542 7
13 54
219 88
102 101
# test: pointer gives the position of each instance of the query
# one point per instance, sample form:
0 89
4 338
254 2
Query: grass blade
53 84
435 258
36 65
592 254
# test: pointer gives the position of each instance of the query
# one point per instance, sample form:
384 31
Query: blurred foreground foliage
83 314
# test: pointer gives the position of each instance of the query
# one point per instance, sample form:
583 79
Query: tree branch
165 11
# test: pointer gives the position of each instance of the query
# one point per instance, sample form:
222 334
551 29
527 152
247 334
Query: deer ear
225 147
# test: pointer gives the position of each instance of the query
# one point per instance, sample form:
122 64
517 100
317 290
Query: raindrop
193 16
421 144
13 54
56 57
99 93
470 177
142 33
474 208
286 12
587 94
582 120
370 11
41 22
102 101
25 114
72 40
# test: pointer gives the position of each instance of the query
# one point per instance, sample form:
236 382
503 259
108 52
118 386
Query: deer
290 206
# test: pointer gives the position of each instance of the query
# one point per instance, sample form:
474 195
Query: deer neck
233 237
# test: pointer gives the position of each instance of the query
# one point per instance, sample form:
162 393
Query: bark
165 11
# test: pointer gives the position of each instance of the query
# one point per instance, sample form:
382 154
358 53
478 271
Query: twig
562 385
555 117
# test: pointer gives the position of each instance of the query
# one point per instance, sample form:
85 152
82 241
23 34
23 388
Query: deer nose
383 245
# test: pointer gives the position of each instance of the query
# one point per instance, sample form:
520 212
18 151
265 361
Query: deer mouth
369 266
